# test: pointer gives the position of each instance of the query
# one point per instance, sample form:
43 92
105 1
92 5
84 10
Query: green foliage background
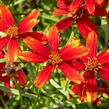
54 94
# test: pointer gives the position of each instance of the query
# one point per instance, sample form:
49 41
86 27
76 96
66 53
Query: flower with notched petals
84 24
54 57
13 33
93 63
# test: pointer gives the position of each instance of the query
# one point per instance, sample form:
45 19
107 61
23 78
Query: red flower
9 71
14 32
90 4
82 89
93 64
55 58
84 24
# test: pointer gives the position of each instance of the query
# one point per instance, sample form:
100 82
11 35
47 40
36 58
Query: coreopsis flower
84 24
54 58
13 33
81 91
11 71
90 4
93 63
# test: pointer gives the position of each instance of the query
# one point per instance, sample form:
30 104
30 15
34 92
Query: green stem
16 92
38 98
20 90
5 105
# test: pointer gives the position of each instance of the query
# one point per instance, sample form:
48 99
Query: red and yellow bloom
54 58
14 32
83 89
90 4
12 70
93 64
84 24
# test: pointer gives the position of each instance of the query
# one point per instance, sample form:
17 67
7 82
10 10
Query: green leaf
16 92
53 83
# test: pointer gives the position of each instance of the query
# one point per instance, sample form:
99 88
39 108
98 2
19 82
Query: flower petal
90 5
21 77
13 49
5 79
32 57
78 65
3 42
105 66
63 4
104 73
75 5
71 73
53 38
99 11
28 22
85 25
103 57
36 46
6 18
91 43
75 89
69 52
38 36
2 71
97 101
82 91
7 83
43 76
102 2
64 23
58 12
2 54
91 85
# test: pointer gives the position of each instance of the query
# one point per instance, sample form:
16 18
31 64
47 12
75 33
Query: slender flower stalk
4 96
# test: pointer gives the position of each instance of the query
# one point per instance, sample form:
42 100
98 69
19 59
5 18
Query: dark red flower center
54 58
78 14
10 68
92 64
12 32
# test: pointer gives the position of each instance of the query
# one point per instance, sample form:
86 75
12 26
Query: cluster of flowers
70 59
